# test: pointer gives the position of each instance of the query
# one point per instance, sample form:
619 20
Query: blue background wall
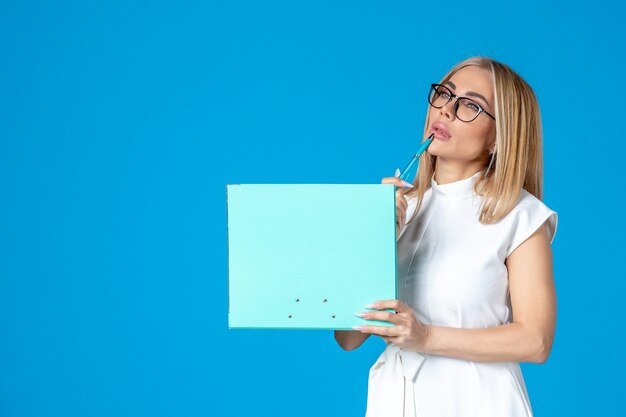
122 121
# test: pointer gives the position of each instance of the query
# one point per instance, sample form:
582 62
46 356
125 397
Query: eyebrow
470 93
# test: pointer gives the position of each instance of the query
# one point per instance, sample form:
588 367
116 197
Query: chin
433 149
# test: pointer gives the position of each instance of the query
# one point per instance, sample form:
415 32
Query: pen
416 157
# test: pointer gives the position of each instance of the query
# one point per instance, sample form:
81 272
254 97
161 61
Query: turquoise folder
309 256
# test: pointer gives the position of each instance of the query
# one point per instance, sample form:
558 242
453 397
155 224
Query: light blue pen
416 157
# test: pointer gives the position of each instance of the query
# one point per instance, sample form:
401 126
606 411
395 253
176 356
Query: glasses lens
468 110
438 96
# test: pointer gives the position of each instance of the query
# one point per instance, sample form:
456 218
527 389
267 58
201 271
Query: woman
475 279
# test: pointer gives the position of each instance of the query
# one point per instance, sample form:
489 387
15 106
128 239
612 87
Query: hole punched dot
297 300
325 300
290 316
333 316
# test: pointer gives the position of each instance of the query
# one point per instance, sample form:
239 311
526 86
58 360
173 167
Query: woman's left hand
408 332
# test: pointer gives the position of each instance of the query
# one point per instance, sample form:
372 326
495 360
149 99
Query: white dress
451 272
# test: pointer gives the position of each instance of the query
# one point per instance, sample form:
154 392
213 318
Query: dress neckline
457 190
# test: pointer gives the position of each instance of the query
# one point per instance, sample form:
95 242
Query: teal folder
309 256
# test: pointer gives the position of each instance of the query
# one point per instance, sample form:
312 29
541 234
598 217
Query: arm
528 338
350 339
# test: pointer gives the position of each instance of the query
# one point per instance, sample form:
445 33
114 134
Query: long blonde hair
518 158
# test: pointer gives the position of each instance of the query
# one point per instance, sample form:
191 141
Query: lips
440 130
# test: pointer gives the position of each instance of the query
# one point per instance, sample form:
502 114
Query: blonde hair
518 159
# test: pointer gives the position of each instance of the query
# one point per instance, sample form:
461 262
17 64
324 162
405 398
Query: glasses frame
456 103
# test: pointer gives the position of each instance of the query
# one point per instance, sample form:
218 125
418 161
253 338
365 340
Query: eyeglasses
465 108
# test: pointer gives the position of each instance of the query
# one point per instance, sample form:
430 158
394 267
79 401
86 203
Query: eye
443 93
472 105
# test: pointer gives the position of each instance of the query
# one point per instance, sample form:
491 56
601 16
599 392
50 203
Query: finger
388 339
395 305
400 198
400 217
381 316
397 181
400 222
387 331
393 180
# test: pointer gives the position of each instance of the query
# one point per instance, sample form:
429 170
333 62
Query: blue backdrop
121 122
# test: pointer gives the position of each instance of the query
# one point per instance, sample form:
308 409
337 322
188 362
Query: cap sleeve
530 214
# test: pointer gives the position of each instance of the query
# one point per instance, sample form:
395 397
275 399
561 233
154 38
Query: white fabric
451 272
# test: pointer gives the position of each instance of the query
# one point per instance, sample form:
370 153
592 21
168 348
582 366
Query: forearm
511 342
350 339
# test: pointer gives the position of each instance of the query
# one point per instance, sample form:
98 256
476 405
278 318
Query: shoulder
527 201
529 206
526 217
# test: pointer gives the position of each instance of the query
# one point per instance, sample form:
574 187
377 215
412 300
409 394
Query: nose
448 109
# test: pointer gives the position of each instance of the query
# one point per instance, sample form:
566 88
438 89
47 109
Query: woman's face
466 142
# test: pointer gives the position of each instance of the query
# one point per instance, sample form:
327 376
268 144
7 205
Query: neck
451 171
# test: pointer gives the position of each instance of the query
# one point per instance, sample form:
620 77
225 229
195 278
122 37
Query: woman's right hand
401 203
352 339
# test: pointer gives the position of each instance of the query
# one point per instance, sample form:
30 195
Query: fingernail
357 327
408 184
397 174
371 306
360 314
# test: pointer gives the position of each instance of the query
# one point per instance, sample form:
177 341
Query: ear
492 149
